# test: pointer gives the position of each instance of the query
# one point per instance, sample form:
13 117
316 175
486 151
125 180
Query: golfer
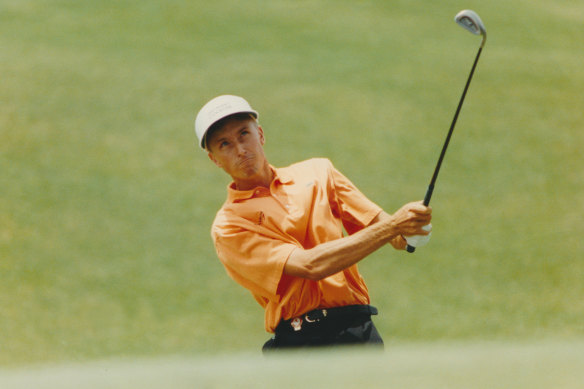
280 234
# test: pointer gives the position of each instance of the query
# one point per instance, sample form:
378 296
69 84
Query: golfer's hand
410 220
399 242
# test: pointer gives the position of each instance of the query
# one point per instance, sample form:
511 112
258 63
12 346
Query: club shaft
430 189
450 131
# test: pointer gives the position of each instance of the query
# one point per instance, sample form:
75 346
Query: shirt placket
281 198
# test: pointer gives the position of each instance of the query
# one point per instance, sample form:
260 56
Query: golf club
473 23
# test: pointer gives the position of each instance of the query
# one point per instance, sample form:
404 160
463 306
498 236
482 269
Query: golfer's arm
398 241
331 257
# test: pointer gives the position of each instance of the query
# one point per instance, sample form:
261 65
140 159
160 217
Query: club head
471 21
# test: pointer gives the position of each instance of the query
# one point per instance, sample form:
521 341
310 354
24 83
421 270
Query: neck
262 179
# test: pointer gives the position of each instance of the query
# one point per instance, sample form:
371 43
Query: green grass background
106 203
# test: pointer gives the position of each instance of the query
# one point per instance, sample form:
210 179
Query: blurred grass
452 365
105 202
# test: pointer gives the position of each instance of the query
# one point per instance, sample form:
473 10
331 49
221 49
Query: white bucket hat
217 109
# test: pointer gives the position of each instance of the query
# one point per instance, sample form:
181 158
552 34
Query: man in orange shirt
280 233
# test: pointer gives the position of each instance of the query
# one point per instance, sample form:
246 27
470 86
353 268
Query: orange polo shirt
307 204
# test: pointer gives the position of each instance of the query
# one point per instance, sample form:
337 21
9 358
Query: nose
240 149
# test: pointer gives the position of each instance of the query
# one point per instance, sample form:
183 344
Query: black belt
325 314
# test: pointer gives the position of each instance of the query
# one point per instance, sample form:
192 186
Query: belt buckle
309 320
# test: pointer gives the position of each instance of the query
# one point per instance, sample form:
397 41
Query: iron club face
471 21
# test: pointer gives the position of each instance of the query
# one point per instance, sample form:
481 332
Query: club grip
427 197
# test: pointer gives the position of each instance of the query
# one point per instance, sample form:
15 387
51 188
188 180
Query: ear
212 158
261 134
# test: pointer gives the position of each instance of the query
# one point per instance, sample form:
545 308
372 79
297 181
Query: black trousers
349 325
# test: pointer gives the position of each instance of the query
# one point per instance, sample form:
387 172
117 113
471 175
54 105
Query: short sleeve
356 210
253 260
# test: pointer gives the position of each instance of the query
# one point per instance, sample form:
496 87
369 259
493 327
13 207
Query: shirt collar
280 177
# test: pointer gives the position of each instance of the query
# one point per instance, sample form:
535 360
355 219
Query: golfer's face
237 148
